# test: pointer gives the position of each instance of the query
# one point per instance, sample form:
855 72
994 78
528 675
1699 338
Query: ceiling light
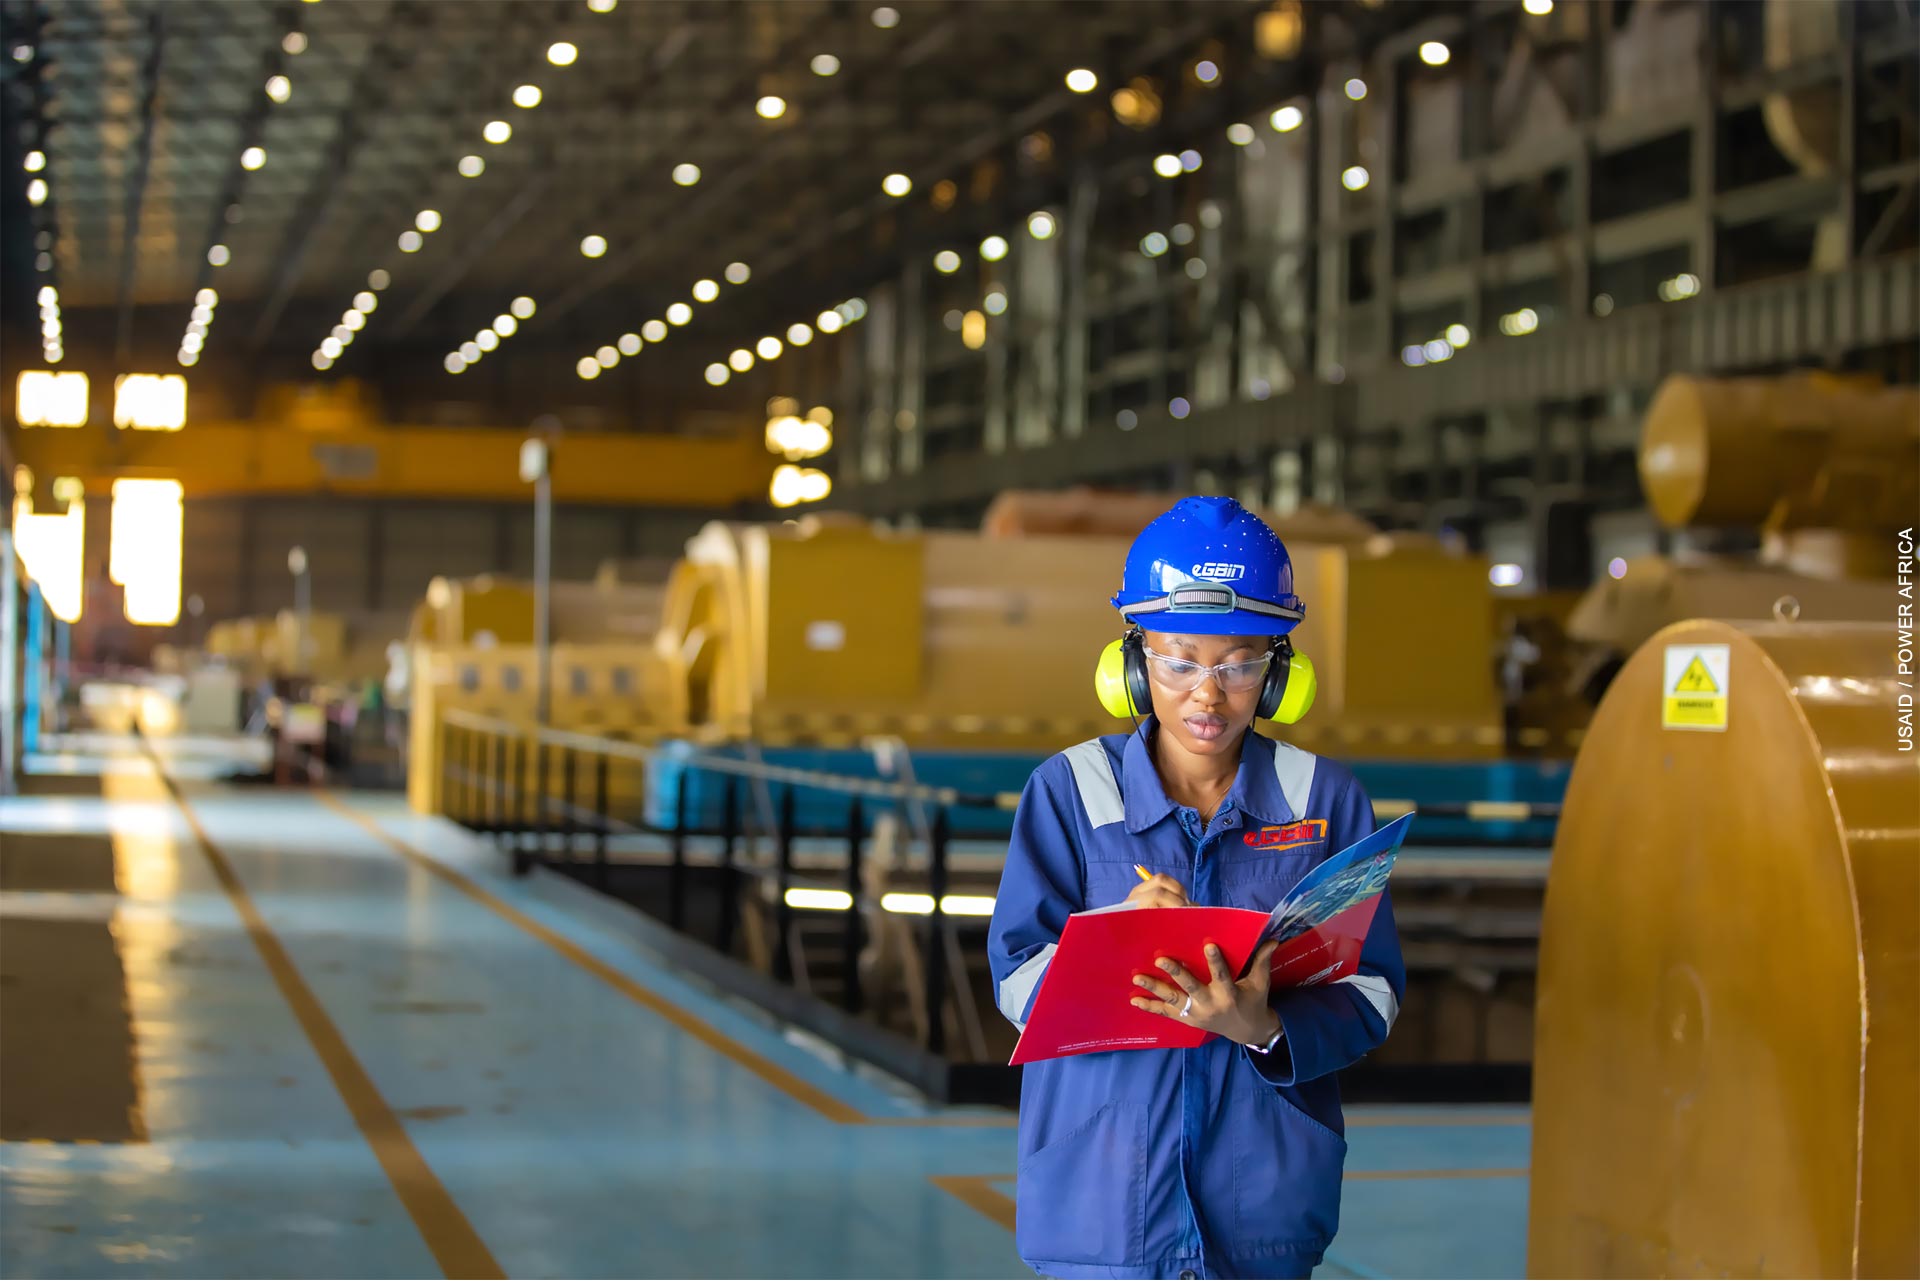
995 303
1182 234
294 42
36 161
686 175
521 307
219 255
188 359
717 375
799 334
588 368
886 19
1153 244
1040 225
202 314
1355 177
1206 71
973 330
1538 8
253 158
679 314
1356 88
279 88
343 335
378 278
738 273
1081 80
602 6
769 348
49 296
1179 407
1196 268
363 302
654 331
946 262
486 340
454 362
629 344
829 322
1459 335
607 357
211 298
1435 54
192 342
330 347
1239 133
410 241
353 320
1167 165
472 166
471 351
1189 160
825 64
593 246
322 361
705 291
497 131
896 185
427 220
561 54
527 96
1287 119
37 191
506 326
741 360
771 107
993 248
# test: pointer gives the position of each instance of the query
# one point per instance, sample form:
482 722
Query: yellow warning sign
1695 689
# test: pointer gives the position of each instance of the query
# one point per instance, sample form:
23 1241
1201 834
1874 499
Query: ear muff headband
1120 681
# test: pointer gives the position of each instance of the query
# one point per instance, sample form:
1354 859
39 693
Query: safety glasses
1183 675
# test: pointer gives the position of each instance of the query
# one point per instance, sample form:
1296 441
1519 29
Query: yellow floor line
772 1073
456 1247
977 1192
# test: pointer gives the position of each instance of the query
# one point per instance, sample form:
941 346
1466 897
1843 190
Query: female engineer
1224 1160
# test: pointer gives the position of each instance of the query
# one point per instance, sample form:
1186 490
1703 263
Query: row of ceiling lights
51 344
686 174
193 340
505 325
799 334
526 96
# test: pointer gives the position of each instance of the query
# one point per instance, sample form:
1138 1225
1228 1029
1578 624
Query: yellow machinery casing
1725 1061
829 631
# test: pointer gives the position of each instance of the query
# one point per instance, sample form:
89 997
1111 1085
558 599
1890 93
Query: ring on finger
1187 1008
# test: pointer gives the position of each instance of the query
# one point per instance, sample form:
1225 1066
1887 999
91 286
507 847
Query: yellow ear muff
1301 687
1110 682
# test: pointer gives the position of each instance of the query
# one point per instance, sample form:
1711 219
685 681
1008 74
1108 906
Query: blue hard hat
1209 567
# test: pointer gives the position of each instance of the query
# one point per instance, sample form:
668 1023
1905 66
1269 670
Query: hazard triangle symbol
1696 679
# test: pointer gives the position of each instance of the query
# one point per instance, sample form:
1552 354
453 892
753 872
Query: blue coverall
1217 1161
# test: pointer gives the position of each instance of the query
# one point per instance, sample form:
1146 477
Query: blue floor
447 1069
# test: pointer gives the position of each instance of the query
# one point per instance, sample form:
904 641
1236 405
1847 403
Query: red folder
1083 1006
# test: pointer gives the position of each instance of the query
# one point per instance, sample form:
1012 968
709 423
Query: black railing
485 771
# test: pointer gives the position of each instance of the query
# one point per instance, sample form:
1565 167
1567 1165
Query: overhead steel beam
137 190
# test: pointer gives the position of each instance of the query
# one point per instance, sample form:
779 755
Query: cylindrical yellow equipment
1725 1057
1808 451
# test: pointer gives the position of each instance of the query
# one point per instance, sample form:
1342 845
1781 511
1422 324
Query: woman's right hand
1159 891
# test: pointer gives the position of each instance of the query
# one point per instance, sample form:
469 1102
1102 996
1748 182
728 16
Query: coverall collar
1255 792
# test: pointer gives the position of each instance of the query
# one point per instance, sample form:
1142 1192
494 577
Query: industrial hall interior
959 638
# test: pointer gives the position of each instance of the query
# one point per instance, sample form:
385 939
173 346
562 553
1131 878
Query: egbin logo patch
1294 835
1219 571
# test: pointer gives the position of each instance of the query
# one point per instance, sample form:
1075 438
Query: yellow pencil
1145 875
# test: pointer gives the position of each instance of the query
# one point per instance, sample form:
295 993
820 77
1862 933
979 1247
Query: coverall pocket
1286 1176
1083 1197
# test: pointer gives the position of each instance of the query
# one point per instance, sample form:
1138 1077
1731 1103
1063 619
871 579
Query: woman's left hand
1237 1011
